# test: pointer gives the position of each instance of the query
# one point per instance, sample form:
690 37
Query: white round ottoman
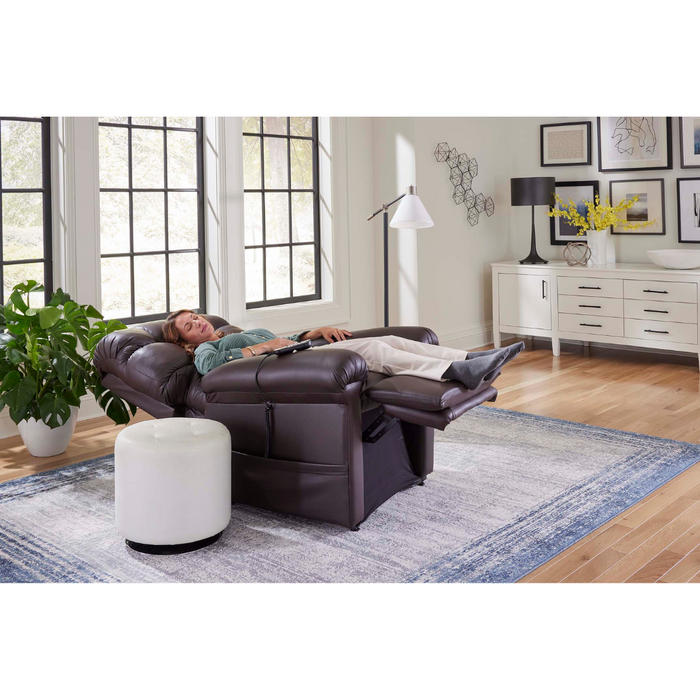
172 484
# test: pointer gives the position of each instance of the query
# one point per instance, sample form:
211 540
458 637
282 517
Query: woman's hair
172 335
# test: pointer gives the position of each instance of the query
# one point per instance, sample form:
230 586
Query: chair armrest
418 333
302 373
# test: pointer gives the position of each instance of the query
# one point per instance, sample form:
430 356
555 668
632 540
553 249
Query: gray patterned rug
510 491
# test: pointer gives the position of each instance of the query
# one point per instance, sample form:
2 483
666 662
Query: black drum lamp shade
532 192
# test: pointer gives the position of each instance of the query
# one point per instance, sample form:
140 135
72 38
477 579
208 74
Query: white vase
602 247
42 441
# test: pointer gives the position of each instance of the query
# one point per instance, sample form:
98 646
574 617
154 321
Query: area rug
510 490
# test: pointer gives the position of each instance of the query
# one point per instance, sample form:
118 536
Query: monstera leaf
54 409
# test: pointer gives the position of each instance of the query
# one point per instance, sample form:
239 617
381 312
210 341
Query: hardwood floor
92 438
656 540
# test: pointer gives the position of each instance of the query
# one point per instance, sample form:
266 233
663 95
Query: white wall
440 277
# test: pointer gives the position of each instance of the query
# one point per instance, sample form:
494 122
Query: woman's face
193 328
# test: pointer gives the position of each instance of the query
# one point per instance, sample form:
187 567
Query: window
25 206
151 216
281 203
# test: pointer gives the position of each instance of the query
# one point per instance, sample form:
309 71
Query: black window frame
45 190
264 246
201 238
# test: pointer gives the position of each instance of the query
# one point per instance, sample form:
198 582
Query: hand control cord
269 405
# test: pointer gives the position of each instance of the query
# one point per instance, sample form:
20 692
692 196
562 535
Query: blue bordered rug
510 491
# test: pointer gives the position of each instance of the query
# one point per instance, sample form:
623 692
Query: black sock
481 353
472 372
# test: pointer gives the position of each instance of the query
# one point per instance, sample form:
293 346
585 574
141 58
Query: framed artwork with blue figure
690 141
561 231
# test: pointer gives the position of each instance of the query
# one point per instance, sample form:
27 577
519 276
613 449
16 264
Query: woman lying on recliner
386 354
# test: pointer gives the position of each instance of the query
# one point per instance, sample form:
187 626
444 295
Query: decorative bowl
675 258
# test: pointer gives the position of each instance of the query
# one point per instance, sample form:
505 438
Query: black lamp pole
385 209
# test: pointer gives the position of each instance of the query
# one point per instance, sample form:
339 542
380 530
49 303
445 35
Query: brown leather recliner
343 440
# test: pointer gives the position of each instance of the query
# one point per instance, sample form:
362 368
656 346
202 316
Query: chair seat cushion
422 394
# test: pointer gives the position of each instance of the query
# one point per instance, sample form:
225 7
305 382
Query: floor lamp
410 214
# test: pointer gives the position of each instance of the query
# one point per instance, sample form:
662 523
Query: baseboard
469 337
608 346
89 408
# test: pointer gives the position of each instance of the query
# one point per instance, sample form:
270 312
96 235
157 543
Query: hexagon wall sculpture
463 170
441 152
459 194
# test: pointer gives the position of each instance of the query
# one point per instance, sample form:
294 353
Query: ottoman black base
173 548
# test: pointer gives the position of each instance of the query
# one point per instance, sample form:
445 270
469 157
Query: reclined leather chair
343 440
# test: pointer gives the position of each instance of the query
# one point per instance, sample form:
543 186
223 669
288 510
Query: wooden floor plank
687 568
645 551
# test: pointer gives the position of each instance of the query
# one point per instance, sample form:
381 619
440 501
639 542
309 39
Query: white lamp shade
411 214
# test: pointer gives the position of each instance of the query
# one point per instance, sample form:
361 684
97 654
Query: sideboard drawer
662 291
593 306
590 287
590 325
653 310
660 331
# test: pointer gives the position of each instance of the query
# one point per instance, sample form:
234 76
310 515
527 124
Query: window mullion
131 225
264 222
165 209
289 202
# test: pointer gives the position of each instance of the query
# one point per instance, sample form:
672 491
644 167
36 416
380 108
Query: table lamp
410 214
532 192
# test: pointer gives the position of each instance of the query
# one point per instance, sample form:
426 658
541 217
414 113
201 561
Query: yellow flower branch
599 216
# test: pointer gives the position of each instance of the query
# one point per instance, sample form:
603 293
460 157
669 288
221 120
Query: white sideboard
623 304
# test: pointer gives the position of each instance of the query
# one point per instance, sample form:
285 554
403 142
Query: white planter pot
602 247
42 441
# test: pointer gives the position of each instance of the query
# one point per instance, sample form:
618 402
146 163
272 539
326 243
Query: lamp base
533 259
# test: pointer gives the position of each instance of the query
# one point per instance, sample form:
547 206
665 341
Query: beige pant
392 355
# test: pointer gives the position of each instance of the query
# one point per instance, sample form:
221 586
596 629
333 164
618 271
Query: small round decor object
577 253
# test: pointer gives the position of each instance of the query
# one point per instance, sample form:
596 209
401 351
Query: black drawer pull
588 306
655 311
589 287
648 330
654 291
592 325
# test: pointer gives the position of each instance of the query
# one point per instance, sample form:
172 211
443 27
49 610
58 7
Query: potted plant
46 367
595 224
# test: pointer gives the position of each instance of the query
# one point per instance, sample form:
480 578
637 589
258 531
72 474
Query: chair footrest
441 419
422 394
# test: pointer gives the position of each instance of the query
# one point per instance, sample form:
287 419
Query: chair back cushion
139 357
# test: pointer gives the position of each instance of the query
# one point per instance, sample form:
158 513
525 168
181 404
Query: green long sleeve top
214 353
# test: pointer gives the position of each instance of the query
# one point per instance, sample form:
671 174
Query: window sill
298 316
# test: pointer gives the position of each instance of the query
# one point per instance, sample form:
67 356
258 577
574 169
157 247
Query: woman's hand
329 333
274 344
267 346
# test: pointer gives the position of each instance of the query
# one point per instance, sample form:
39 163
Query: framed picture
565 144
649 206
561 231
634 143
688 209
690 141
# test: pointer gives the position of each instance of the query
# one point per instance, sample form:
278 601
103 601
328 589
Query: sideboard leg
699 358
496 337
555 347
